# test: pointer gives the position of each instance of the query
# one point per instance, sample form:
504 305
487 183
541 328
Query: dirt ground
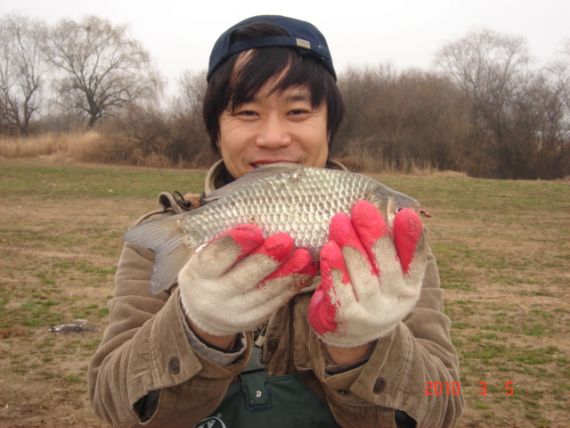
43 382
506 290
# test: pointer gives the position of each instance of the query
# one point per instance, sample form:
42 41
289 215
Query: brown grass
117 148
362 160
80 146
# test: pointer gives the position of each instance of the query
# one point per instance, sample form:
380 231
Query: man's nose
273 133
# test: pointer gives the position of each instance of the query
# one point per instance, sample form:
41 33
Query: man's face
277 127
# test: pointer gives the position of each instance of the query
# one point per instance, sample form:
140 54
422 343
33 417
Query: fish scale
298 204
286 198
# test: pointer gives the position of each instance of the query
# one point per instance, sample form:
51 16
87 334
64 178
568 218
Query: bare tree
491 69
22 71
190 141
483 61
175 136
519 114
101 68
564 82
193 88
400 120
547 98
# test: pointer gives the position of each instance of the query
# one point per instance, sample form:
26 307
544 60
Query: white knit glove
234 283
371 276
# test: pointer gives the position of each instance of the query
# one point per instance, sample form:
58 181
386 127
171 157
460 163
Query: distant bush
144 136
81 146
400 121
150 143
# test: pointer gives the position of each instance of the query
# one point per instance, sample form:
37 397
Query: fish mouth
261 163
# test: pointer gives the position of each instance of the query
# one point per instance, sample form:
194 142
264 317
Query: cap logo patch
303 43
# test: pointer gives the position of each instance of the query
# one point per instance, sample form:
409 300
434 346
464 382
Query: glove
371 276
235 282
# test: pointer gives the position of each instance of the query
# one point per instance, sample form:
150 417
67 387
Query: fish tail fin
166 239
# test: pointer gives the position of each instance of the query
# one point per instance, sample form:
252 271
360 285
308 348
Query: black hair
229 88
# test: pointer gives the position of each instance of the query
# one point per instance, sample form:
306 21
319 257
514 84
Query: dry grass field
503 249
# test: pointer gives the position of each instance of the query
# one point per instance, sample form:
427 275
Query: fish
281 197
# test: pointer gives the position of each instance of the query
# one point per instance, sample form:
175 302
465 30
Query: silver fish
279 197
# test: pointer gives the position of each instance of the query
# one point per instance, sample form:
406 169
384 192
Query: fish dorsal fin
251 177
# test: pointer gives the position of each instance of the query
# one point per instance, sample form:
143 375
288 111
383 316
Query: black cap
302 35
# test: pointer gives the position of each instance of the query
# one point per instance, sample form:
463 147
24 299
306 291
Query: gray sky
180 34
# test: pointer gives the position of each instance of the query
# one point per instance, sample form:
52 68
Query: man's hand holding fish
371 276
234 283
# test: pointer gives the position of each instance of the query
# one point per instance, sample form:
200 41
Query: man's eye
299 111
246 113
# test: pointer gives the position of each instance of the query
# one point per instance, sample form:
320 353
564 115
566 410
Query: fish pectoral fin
167 266
165 238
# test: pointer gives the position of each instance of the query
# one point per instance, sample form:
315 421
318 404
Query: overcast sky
180 34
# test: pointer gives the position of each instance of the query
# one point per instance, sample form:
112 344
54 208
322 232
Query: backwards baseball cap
302 35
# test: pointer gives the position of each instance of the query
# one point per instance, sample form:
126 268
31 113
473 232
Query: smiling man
351 339
275 126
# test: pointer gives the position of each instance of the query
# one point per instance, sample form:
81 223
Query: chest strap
179 203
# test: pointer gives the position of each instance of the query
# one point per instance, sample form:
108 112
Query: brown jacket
145 359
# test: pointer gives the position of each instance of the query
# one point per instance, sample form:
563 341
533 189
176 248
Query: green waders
260 401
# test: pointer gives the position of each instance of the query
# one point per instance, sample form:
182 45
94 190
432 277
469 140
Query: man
187 356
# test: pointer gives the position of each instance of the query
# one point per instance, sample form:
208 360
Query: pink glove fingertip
407 230
300 263
331 258
370 227
342 231
368 222
322 311
247 236
278 246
